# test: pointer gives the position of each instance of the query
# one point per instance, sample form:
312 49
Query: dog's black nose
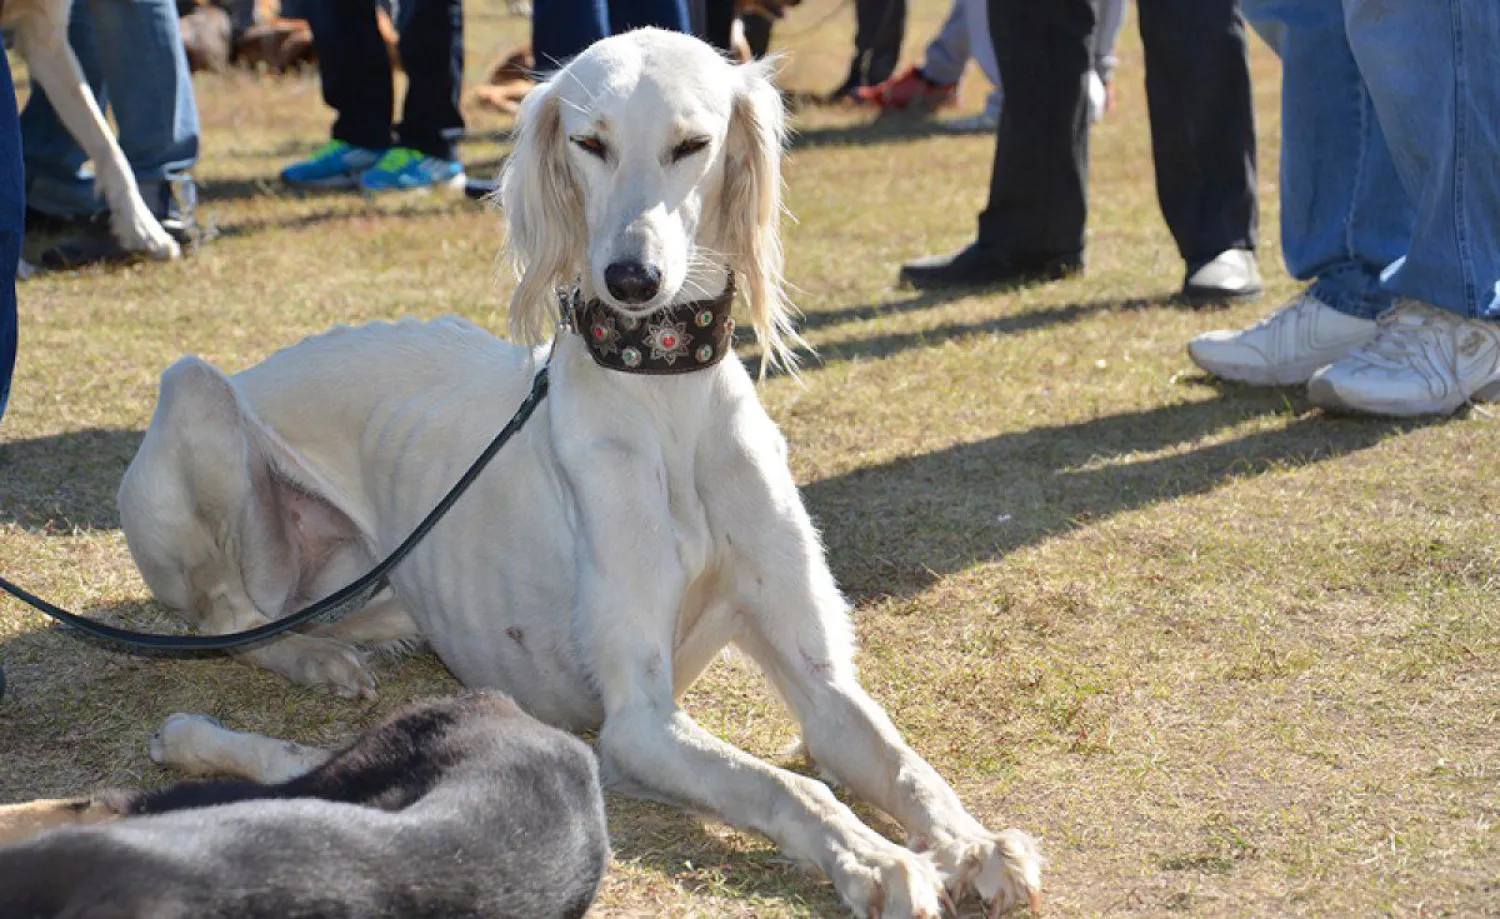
632 282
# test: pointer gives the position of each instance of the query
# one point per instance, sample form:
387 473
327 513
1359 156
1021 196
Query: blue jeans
560 29
133 58
11 222
1390 146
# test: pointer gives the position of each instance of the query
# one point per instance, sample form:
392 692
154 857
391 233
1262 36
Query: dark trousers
1202 125
357 79
561 29
878 28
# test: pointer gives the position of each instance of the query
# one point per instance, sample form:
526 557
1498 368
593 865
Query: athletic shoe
1285 348
405 169
910 90
333 165
1423 361
1230 275
983 123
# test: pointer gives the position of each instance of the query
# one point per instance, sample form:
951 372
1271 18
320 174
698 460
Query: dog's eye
687 148
592 145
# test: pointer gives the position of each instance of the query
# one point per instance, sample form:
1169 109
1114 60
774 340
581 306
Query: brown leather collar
675 339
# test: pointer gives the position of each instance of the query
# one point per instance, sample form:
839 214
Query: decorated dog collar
675 339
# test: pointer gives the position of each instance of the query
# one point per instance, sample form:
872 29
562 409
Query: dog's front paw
143 234
892 885
1004 869
184 742
325 662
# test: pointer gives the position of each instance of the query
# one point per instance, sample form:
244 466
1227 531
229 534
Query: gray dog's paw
184 742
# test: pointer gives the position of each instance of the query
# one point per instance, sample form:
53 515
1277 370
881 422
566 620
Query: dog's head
642 169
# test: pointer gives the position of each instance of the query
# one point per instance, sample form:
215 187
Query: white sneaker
1424 361
1285 348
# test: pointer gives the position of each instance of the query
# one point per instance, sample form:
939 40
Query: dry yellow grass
1226 655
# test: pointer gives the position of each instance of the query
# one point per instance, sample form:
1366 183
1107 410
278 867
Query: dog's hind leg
384 621
221 540
200 745
42 40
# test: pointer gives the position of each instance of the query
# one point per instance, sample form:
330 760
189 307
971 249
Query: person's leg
1440 346
981 46
432 51
1038 201
355 69
1344 214
1033 225
560 29
12 207
57 182
1442 121
625 15
1203 139
878 29
713 21
948 53
758 33
151 91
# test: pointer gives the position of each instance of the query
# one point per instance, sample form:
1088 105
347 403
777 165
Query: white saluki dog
631 530
40 28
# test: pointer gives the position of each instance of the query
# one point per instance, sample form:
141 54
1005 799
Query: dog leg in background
383 621
201 745
23 821
43 42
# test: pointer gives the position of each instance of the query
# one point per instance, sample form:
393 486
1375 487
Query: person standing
560 29
135 64
1203 141
367 151
1390 174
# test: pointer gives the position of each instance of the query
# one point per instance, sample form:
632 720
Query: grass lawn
1226 655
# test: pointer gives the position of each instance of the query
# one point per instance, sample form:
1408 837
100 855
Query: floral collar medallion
677 339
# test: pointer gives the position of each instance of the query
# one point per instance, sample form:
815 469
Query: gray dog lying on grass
459 807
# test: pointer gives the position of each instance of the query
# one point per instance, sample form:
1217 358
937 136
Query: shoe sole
456 184
1297 375
1208 296
336 182
1324 395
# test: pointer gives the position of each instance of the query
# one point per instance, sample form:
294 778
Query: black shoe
978 265
95 243
43 223
480 189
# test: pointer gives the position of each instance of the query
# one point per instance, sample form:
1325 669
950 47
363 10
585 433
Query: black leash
329 609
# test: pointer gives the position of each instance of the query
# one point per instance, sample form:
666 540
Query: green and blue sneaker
333 165
402 168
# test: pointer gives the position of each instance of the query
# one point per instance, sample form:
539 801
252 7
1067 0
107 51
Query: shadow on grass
680 847
65 481
893 129
893 529
881 346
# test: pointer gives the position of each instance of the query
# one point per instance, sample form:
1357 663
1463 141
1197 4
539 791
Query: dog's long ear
748 214
544 211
